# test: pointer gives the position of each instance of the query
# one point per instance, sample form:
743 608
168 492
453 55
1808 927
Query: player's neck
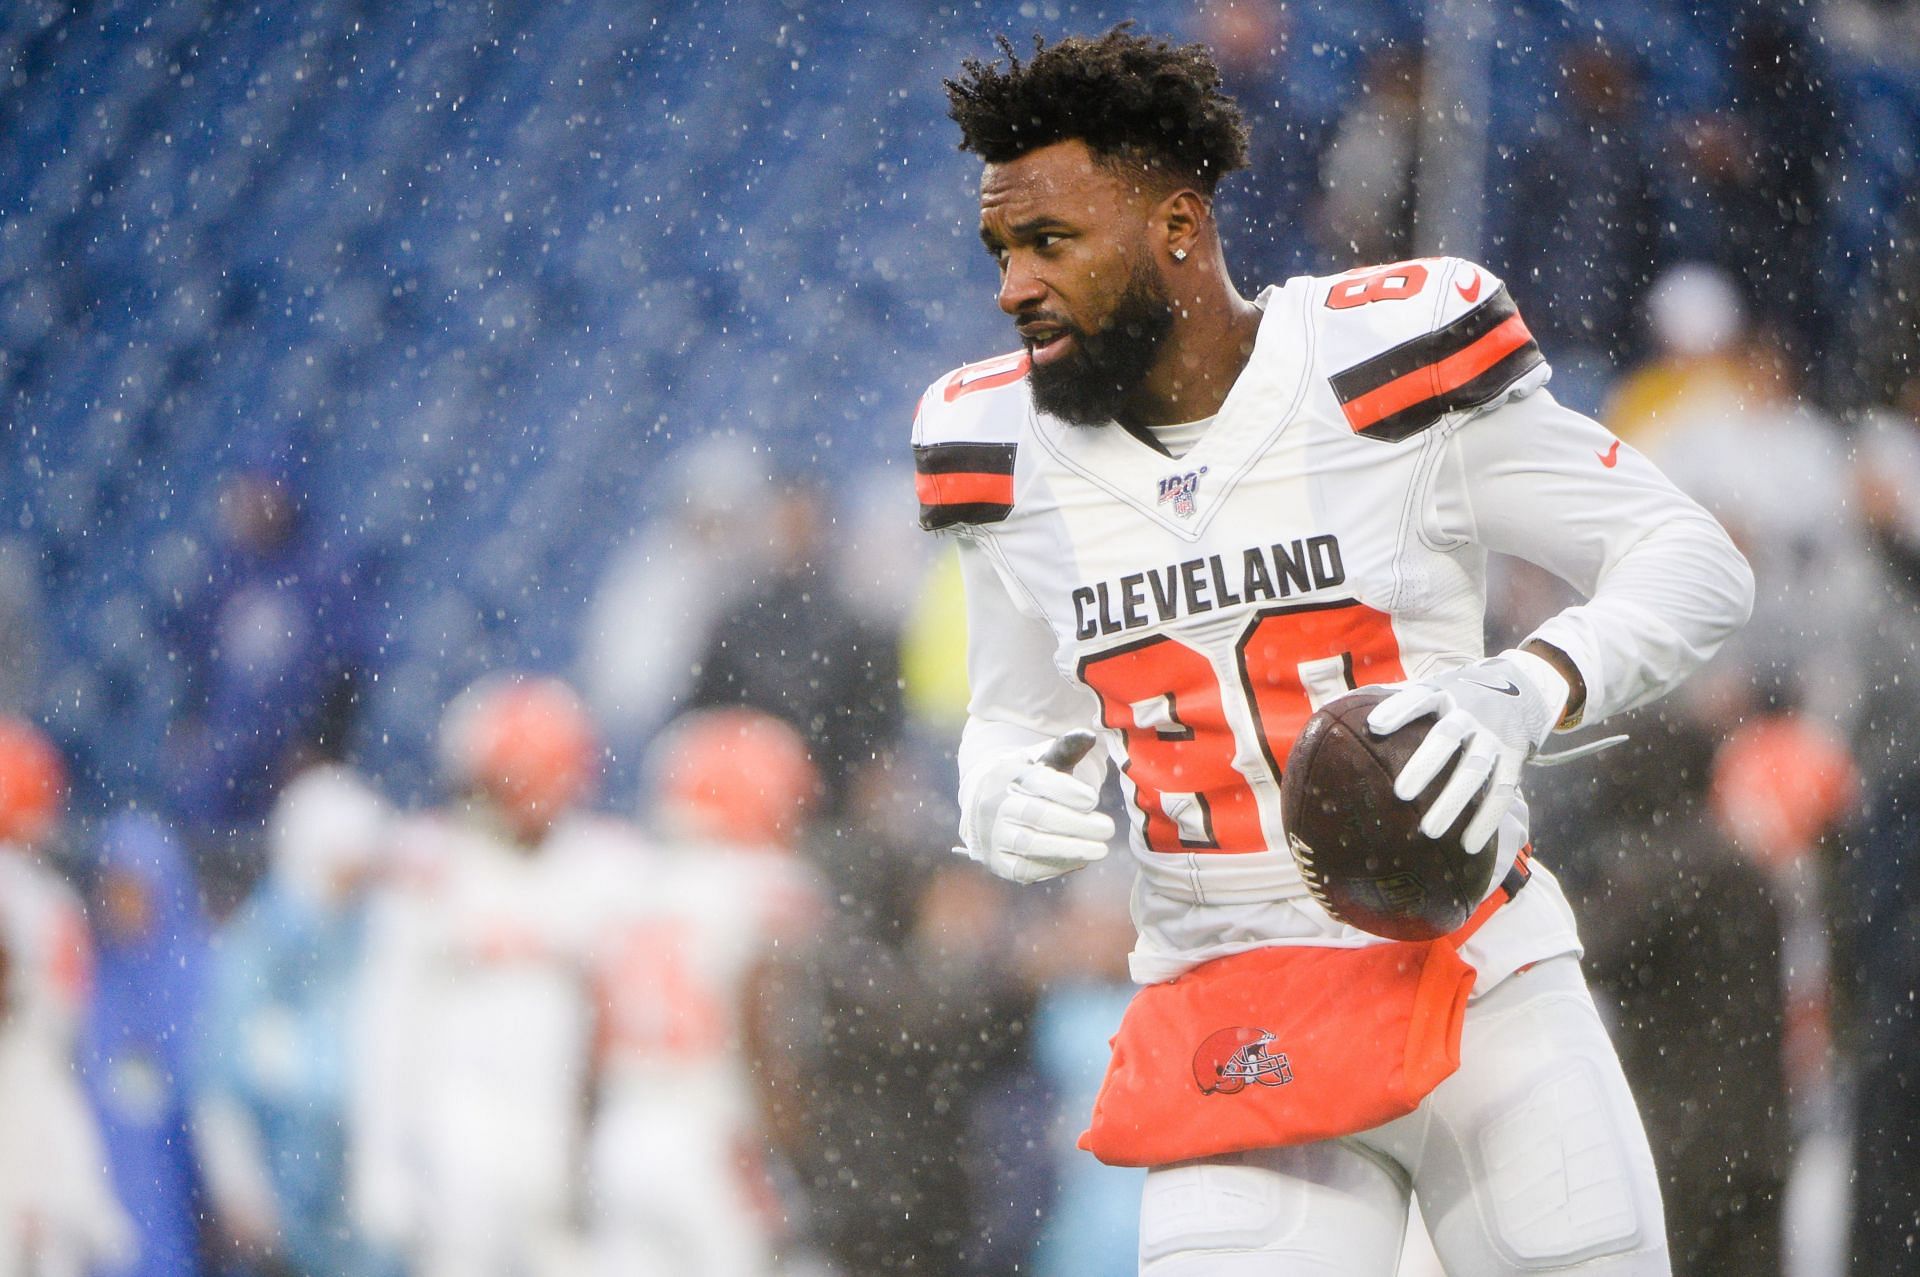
1211 341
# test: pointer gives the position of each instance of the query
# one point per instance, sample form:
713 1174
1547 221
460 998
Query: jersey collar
1263 399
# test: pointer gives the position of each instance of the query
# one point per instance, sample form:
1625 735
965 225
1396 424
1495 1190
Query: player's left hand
1492 714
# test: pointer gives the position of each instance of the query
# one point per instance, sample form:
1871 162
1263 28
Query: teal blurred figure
270 1111
1093 1227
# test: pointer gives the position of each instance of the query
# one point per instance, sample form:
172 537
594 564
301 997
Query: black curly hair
1135 100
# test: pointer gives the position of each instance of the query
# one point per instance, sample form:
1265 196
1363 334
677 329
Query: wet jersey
1330 530
474 1030
678 933
677 1163
57 1207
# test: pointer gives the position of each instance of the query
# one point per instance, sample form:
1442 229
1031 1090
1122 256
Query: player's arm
1438 348
1664 584
1665 588
1022 817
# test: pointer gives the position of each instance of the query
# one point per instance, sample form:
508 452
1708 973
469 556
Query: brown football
1359 848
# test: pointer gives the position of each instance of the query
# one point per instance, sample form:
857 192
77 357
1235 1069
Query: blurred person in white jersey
477 1017
1187 519
682 1181
58 1215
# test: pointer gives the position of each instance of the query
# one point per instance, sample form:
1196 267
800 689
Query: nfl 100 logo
1179 488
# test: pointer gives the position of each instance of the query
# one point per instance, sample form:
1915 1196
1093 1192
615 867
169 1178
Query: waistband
1213 878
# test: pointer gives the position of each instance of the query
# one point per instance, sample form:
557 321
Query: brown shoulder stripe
963 482
1470 361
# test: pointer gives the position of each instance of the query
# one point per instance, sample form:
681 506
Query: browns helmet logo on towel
1231 1058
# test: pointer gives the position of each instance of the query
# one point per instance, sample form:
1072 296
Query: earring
1179 254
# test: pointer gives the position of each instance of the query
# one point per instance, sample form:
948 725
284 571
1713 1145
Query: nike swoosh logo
1469 294
1611 457
1511 689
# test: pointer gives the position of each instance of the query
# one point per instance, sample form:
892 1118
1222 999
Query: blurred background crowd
477 747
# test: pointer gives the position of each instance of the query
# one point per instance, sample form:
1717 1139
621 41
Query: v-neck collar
1262 400
1145 435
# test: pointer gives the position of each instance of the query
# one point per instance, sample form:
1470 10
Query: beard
1107 367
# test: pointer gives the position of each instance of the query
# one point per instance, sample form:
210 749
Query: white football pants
1529 1159
674 1188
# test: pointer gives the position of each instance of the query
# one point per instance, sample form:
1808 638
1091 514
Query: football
1359 848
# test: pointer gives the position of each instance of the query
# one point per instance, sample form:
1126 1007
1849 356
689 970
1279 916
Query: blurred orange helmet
33 782
526 742
733 775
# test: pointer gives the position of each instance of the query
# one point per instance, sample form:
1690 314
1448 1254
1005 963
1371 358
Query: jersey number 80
1168 701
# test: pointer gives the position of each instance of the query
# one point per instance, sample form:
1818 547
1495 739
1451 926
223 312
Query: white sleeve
1017 698
1664 583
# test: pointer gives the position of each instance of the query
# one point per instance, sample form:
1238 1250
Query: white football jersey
475 1027
57 1207
678 932
47 976
1329 530
680 1181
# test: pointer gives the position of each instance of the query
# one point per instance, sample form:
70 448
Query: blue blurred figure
272 1088
272 644
151 939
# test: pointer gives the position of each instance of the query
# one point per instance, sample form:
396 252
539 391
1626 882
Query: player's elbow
1727 586
1743 589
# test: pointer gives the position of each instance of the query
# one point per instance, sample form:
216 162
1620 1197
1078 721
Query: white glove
1494 714
1028 818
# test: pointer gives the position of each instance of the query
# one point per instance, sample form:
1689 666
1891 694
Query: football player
686 923
474 1022
58 1213
1187 518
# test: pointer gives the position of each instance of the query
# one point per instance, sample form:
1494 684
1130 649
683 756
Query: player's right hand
1043 820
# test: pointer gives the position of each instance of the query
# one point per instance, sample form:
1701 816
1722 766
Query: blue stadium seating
461 275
